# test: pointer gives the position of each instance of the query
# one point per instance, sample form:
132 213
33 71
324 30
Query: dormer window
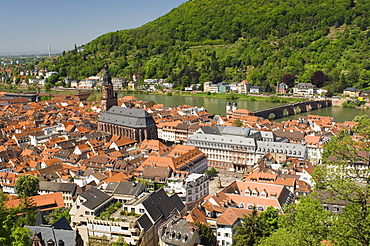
248 192
255 192
185 238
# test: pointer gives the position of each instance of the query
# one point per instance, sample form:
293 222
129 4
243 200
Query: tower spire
109 99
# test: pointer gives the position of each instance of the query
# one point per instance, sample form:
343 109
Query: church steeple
107 79
109 99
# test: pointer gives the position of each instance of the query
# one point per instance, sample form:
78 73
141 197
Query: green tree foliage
359 118
206 234
305 223
59 213
256 226
346 174
12 221
20 236
120 242
46 98
26 186
238 123
94 97
211 172
216 41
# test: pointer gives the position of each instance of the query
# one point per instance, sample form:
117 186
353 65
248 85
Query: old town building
133 123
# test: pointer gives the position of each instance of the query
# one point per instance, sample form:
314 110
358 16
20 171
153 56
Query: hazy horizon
30 27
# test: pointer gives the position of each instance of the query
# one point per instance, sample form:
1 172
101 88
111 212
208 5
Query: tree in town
304 223
250 231
345 173
359 118
238 123
12 221
211 172
206 234
26 186
256 226
59 213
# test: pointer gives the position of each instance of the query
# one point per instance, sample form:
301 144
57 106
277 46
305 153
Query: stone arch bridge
292 109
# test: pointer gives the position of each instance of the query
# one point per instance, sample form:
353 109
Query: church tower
108 99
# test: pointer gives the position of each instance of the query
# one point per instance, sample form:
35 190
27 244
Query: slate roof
145 222
68 187
48 233
54 186
351 89
223 139
236 131
62 224
152 209
186 233
94 198
49 186
160 205
129 188
128 117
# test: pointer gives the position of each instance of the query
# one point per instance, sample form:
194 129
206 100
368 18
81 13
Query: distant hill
232 40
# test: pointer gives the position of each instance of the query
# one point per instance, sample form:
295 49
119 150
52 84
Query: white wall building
191 190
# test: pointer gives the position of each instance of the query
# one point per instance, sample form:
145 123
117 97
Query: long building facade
133 123
241 148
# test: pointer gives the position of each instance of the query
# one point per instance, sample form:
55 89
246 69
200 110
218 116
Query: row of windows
141 210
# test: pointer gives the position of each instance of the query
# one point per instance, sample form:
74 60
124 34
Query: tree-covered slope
231 40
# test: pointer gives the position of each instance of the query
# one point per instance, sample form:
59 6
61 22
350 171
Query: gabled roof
46 234
145 222
129 188
159 205
232 215
129 117
94 198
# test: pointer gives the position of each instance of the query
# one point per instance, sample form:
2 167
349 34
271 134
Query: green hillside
232 40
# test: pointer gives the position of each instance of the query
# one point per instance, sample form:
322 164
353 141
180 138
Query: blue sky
30 26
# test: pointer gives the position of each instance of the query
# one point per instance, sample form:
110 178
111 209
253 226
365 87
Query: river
218 106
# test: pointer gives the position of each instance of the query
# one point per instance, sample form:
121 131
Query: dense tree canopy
228 40
346 175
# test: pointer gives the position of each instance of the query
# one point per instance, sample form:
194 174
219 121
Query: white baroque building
240 148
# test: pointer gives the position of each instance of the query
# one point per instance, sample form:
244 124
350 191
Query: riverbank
229 96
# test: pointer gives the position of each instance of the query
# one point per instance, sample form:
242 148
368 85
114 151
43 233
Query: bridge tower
228 107
235 107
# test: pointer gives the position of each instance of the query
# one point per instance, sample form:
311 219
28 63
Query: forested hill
232 40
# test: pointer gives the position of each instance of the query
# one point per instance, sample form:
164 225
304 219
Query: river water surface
218 106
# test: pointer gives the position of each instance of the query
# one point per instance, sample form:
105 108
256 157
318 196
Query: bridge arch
286 112
271 116
297 109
